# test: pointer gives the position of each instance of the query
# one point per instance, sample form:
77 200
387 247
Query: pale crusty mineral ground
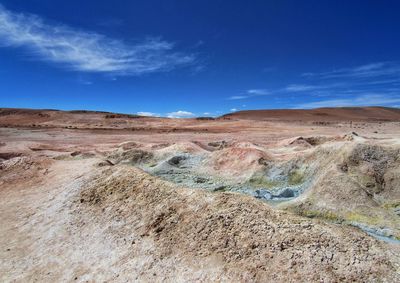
249 197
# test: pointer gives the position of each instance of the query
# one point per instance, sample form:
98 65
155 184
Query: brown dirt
369 114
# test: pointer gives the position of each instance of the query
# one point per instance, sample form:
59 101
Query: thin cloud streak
367 71
87 51
250 93
369 84
304 87
236 97
362 100
258 92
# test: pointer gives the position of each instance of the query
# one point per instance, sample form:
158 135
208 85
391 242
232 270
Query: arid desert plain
261 196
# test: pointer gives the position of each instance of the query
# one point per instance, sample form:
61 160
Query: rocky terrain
276 196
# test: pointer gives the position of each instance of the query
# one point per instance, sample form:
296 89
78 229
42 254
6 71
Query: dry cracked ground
249 197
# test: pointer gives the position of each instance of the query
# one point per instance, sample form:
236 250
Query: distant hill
320 114
83 119
57 118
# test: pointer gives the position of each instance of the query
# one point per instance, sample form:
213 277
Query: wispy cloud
250 93
87 51
315 88
234 110
302 87
180 114
257 92
236 97
150 114
373 70
369 84
361 100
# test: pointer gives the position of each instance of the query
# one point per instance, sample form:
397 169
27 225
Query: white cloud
369 67
151 114
362 100
316 87
87 51
296 88
300 88
250 93
180 114
257 92
235 97
233 109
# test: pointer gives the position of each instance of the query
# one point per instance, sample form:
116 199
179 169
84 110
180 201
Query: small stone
200 180
263 194
344 167
75 153
286 193
220 188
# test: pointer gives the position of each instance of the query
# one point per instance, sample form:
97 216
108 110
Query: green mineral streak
295 178
262 182
392 204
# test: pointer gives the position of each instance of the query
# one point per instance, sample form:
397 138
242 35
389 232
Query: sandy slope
80 222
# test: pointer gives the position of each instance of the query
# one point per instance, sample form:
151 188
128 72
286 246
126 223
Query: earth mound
230 237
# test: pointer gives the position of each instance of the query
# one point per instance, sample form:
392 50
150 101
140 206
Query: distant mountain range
321 114
83 118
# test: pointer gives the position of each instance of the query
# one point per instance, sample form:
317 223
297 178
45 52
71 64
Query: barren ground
90 197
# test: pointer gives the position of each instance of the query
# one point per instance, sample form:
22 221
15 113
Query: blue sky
196 58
